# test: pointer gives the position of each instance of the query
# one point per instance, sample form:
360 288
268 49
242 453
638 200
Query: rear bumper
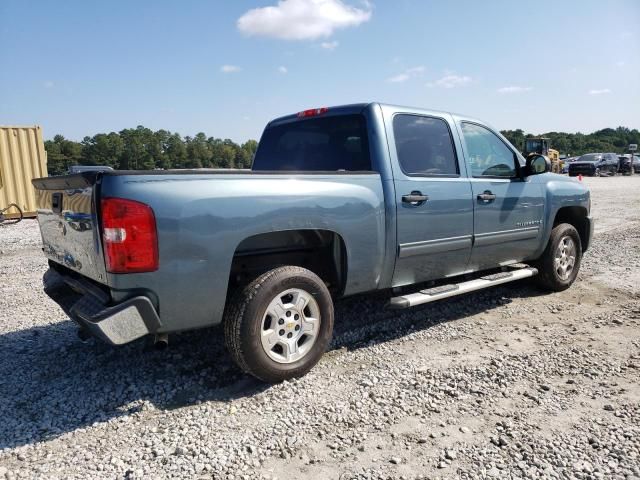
581 169
90 308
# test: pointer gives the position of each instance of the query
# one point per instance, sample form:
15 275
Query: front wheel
597 174
560 262
279 325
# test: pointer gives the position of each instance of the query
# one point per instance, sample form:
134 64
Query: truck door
508 209
433 200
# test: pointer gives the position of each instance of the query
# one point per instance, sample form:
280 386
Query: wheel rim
597 172
565 258
290 325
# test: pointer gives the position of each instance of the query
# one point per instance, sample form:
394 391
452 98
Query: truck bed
202 218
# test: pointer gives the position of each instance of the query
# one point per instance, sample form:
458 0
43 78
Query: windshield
533 145
590 157
321 144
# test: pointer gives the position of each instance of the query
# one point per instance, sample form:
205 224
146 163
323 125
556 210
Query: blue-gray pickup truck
339 201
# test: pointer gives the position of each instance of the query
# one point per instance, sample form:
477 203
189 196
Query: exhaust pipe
161 341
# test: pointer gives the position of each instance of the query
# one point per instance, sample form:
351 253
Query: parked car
625 163
339 201
567 161
595 164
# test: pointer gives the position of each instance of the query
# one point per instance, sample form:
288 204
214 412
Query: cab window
333 143
424 146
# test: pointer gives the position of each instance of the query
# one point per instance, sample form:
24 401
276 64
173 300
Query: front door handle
415 198
486 196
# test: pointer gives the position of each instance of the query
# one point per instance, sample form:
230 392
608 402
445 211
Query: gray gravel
504 383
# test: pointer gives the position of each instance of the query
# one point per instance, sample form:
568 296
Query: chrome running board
451 290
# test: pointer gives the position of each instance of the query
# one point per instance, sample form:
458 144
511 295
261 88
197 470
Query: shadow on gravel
52 384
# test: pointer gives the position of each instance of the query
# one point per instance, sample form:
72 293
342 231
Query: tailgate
68 222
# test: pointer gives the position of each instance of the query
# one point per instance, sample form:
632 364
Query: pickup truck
339 201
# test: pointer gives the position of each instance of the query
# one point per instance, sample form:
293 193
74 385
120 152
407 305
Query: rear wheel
280 324
560 262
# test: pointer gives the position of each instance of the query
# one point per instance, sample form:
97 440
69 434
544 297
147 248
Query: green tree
249 147
176 152
61 154
227 154
199 152
102 149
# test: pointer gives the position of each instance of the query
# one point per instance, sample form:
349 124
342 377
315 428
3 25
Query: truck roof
337 109
357 108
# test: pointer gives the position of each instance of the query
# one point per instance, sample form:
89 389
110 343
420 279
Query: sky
226 68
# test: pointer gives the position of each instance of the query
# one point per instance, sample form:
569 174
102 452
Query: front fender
560 192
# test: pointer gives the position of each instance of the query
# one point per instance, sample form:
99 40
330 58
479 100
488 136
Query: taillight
313 112
129 236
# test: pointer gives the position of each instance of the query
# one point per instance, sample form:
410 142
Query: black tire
548 277
244 322
597 173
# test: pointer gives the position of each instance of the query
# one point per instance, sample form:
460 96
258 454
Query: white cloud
282 69
401 77
620 63
230 68
406 75
330 45
514 89
601 91
415 70
48 84
451 81
302 19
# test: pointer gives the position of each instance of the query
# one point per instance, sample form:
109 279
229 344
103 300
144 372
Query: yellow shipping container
22 158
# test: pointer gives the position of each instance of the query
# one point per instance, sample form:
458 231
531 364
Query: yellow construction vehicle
540 146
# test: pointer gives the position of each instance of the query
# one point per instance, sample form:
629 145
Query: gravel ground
503 383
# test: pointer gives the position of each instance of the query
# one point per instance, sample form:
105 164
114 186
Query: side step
451 290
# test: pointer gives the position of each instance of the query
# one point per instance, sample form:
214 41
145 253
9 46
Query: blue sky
227 67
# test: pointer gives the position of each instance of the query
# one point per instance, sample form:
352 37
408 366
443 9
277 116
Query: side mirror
537 164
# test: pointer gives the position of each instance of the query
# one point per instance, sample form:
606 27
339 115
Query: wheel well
321 251
576 216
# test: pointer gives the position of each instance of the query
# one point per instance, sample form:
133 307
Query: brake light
129 236
313 112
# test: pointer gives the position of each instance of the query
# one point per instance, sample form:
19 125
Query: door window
487 154
424 146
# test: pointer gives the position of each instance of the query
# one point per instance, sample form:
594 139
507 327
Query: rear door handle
415 198
486 196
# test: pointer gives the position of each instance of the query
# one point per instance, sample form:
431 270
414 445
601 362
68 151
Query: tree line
143 149
574 144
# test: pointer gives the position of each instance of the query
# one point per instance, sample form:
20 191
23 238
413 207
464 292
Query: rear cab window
332 143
